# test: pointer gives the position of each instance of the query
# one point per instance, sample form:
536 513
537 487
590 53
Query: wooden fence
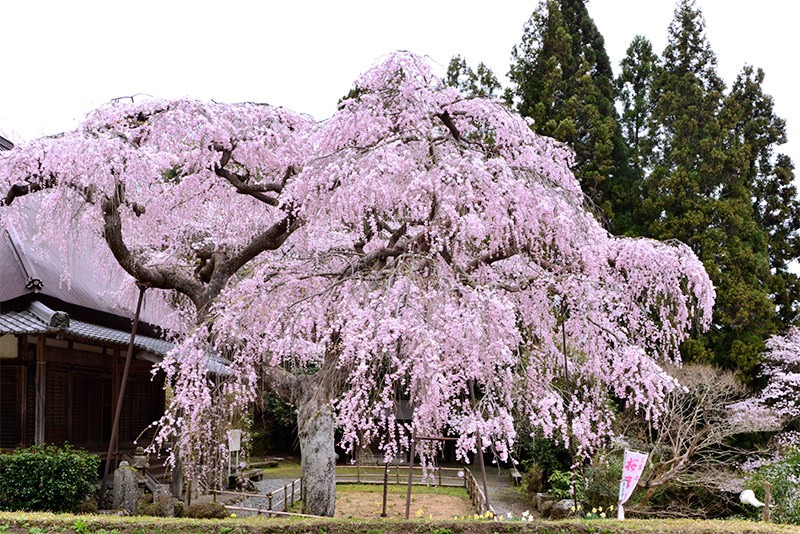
278 502
476 494
398 474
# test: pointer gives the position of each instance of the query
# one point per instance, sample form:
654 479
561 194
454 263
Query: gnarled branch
254 190
158 278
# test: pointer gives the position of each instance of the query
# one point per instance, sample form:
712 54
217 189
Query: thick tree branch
270 239
242 188
162 279
209 257
280 382
448 121
368 259
488 259
396 235
20 190
254 190
88 193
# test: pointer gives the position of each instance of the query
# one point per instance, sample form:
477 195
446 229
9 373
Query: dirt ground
370 505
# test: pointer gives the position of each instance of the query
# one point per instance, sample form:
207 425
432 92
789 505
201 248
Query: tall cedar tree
563 81
634 89
698 193
756 130
480 82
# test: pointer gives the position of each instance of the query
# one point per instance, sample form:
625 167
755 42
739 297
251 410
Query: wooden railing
398 474
476 494
277 502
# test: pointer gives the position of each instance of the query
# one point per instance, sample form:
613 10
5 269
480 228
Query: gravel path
265 486
503 496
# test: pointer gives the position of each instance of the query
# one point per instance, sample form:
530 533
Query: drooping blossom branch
418 242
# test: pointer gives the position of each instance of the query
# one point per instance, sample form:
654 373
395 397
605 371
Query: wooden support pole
385 487
767 499
412 452
115 428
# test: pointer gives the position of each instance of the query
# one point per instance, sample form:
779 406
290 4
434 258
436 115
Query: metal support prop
480 449
115 427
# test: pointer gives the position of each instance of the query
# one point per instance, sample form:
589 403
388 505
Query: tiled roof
101 333
22 322
28 322
30 266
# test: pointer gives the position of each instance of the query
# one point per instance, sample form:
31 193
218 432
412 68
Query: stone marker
126 488
562 509
163 498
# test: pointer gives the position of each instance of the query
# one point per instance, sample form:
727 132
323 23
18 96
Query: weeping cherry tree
420 245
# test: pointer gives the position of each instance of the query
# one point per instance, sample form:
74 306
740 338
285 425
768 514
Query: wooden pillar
41 388
22 402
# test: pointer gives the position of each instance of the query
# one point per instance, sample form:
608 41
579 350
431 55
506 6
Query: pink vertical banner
632 468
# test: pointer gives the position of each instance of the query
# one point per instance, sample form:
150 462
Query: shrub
274 427
543 453
783 476
562 484
210 510
46 478
602 480
533 479
87 506
148 506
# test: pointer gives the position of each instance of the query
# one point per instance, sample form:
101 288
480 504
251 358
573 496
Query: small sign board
632 467
235 441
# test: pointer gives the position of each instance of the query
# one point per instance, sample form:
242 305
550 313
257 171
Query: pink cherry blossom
414 243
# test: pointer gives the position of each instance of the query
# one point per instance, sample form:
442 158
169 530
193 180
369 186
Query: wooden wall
80 394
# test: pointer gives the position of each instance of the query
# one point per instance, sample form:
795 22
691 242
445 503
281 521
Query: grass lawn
42 523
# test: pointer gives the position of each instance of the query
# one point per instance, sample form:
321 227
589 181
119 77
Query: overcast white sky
63 59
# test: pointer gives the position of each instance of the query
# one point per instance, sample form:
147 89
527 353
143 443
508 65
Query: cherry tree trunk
315 423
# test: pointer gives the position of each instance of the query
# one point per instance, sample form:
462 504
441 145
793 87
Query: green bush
562 484
533 479
602 480
148 506
209 510
783 476
274 428
46 478
543 453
